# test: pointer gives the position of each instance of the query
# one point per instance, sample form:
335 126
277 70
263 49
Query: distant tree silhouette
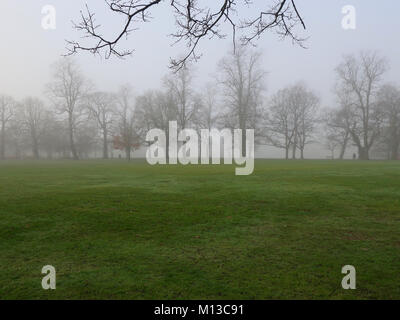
67 89
359 80
7 112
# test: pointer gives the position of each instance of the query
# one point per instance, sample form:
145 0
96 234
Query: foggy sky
28 50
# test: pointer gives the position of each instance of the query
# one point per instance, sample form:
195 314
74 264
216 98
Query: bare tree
331 143
389 101
359 80
179 85
337 126
155 109
194 22
33 120
54 138
208 116
125 136
291 119
87 138
16 136
307 105
67 91
102 108
7 111
281 125
242 80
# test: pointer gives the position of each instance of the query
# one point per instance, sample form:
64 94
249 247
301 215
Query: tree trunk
343 147
363 153
128 153
35 148
243 142
2 141
105 145
302 153
287 153
167 145
395 151
342 151
294 152
71 139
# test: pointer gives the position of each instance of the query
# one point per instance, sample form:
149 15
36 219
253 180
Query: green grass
117 230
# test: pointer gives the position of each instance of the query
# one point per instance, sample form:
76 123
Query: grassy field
117 230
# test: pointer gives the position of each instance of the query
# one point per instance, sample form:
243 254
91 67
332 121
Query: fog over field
29 51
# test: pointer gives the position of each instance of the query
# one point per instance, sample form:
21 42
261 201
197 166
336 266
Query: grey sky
28 50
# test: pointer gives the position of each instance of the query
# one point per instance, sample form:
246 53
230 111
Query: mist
30 51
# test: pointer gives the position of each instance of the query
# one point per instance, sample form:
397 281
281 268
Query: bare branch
193 23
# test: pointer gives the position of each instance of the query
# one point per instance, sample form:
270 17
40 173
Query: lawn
118 230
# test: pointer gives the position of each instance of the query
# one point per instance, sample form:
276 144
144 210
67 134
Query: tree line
78 119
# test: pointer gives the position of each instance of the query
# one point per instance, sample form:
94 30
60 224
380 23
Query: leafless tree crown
194 22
